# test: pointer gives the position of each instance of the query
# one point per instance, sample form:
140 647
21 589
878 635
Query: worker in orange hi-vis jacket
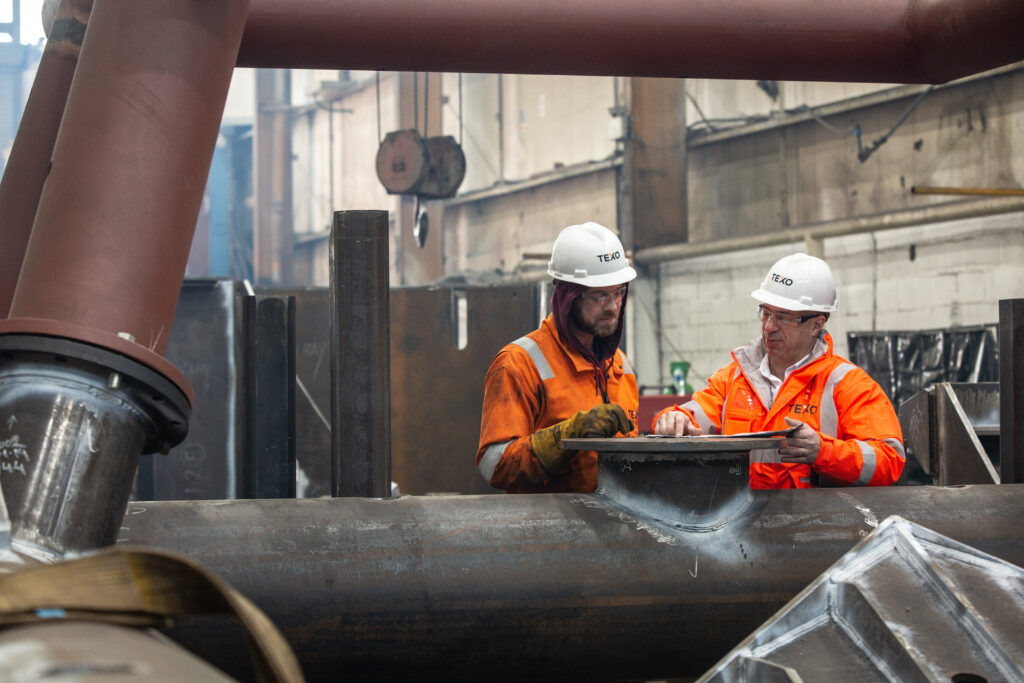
847 431
566 379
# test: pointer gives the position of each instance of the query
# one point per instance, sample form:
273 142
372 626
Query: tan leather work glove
603 420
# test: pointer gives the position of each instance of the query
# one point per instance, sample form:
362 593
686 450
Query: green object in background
679 370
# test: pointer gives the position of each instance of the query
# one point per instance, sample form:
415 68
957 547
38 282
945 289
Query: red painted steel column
108 249
29 162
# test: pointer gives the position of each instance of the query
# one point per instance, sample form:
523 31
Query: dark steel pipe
886 41
360 357
112 233
29 162
571 587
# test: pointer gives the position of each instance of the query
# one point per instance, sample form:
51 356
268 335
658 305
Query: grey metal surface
63 423
1011 390
97 653
432 588
917 417
714 491
980 403
906 604
952 431
960 456
360 364
205 465
76 419
645 447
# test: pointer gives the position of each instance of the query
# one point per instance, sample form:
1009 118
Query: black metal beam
266 355
1011 391
360 369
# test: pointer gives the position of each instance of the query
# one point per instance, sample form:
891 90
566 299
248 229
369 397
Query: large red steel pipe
887 41
544 587
29 162
111 237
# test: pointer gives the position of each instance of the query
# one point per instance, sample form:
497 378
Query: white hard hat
799 282
589 255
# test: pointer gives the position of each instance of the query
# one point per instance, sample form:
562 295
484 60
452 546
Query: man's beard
601 328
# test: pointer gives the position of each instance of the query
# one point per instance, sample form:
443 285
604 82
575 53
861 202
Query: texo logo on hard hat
788 281
609 257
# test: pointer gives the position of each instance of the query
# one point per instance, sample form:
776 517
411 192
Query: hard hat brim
786 304
619 277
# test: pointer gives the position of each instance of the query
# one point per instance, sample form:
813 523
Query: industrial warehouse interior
267 267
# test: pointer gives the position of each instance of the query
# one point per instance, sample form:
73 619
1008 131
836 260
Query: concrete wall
768 177
510 234
724 104
515 127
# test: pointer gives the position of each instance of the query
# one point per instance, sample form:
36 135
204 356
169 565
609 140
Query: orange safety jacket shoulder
861 439
533 383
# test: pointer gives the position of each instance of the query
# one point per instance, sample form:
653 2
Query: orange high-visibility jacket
533 383
861 439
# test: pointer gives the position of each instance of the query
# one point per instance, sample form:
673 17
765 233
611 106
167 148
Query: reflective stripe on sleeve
870 462
537 356
627 369
898 447
703 421
490 459
829 413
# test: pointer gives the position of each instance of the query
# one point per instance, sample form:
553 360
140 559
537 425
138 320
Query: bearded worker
566 379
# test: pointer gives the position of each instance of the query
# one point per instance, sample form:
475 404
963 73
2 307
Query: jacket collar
749 359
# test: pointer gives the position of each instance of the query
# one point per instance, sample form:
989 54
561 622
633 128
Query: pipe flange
164 403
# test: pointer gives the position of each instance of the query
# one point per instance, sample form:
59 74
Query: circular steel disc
402 162
679 444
